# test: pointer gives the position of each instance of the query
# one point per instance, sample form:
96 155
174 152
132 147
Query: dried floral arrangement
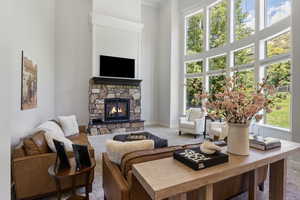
238 104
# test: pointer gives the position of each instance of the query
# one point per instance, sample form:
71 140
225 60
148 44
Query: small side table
71 173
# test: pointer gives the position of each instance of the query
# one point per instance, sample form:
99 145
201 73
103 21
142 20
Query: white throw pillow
69 125
50 126
49 139
115 149
196 113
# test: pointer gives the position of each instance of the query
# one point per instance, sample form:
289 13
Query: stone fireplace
114 105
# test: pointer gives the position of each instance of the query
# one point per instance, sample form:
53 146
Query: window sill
286 130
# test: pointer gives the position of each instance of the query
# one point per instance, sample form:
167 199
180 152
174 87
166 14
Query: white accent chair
219 129
193 122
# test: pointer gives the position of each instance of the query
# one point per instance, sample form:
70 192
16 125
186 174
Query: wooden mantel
116 81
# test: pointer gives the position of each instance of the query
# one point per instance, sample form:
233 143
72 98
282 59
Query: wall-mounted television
117 67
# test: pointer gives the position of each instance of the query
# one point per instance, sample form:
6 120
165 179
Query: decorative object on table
158 142
136 136
238 105
196 159
261 143
73 174
193 122
220 143
62 160
209 147
28 83
82 156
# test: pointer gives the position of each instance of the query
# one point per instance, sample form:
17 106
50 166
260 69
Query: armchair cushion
195 113
187 124
69 125
40 141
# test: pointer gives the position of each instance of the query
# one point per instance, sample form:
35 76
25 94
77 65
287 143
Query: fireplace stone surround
103 90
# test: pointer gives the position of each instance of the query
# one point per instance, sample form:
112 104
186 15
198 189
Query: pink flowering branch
238 104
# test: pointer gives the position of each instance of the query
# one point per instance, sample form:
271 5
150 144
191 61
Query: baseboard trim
151 123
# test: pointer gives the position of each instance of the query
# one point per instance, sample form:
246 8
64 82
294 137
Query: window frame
257 39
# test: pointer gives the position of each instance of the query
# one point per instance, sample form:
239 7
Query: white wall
124 9
296 72
163 72
6 52
149 64
175 63
33 32
73 58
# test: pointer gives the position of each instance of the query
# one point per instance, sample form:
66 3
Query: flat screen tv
117 67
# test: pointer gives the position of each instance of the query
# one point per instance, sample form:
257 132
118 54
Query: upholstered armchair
218 129
193 122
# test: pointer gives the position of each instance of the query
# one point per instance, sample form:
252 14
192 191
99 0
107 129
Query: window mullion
231 21
206 29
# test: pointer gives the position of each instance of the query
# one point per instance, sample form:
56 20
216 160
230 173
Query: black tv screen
117 67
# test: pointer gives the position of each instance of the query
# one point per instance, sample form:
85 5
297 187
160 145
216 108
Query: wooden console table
169 178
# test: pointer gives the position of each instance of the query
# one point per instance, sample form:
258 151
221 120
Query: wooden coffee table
167 177
72 174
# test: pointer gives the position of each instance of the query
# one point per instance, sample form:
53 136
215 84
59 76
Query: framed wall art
29 83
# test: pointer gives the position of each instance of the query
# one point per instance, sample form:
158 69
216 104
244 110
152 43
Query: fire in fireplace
117 109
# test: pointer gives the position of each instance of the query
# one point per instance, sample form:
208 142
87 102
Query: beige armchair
218 129
193 122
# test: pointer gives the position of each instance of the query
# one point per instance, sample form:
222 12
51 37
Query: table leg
58 188
209 192
73 185
178 197
87 185
278 173
252 185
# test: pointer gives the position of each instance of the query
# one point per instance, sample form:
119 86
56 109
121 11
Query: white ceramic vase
238 139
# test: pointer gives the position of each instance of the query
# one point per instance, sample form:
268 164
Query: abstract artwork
29 83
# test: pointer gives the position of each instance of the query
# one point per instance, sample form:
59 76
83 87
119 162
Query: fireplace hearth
116 109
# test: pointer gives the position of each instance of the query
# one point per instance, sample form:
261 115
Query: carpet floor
98 142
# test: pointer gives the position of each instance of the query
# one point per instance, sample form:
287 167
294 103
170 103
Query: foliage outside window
218 24
218 63
194 34
216 83
194 67
279 74
246 79
193 86
278 45
244 18
244 56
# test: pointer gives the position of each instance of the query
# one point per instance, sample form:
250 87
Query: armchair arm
114 184
181 119
30 175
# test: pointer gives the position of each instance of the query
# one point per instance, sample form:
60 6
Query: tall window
218 24
239 37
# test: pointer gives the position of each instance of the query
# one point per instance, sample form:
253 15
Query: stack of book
264 144
196 159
